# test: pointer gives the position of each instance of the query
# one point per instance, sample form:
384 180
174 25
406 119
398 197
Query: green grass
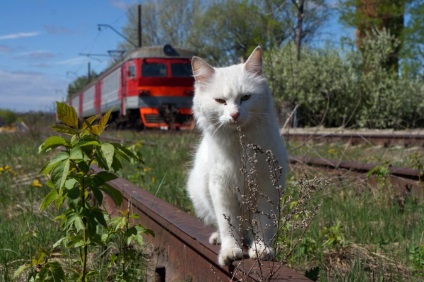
377 230
376 233
23 229
167 160
398 156
361 233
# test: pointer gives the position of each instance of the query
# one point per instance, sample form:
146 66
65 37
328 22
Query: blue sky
40 43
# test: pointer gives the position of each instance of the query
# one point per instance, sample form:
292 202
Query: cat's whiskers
258 117
217 127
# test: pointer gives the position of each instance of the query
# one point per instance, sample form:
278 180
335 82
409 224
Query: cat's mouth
234 124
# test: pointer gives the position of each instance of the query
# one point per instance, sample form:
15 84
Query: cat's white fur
224 99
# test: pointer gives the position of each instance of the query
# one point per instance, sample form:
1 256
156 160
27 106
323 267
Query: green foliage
222 31
7 116
413 51
323 84
349 90
125 238
75 186
416 256
246 22
380 171
41 269
333 236
297 213
369 15
79 83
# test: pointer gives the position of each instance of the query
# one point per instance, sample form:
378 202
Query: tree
79 83
7 117
224 32
298 20
227 32
413 51
369 15
163 22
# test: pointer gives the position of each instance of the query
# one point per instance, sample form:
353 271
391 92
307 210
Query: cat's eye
245 98
221 101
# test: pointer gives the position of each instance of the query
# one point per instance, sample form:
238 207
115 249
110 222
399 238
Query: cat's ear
254 62
202 71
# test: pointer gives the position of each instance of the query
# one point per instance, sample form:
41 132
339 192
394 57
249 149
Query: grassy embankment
360 232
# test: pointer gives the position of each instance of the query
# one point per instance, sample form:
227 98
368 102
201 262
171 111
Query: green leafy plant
333 236
416 257
416 160
79 191
380 171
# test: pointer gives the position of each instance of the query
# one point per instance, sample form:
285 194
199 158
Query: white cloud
37 55
74 61
18 35
25 91
121 4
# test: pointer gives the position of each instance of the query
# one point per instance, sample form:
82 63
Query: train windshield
181 70
153 70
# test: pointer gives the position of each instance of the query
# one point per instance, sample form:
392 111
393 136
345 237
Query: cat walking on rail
228 102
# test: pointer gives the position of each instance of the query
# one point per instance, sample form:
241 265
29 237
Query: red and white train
152 87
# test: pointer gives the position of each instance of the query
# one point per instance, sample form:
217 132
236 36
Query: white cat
224 99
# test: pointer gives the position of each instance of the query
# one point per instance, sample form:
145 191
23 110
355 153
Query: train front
159 82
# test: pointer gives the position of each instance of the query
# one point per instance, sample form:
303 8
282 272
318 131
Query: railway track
401 172
353 137
181 251
375 138
403 181
401 177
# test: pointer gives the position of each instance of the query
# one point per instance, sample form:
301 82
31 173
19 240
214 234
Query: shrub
8 117
346 89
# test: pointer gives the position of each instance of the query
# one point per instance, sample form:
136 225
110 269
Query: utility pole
300 6
140 28
89 72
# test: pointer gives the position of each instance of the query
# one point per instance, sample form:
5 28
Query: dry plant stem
299 239
290 214
290 116
85 248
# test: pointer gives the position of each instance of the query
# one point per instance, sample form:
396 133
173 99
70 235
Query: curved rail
407 173
403 179
357 137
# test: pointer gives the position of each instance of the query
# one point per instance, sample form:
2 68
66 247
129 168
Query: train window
153 70
181 69
131 71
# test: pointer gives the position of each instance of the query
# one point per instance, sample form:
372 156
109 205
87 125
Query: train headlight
144 93
189 93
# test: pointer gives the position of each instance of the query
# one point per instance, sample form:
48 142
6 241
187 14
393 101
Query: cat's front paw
215 238
261 251
226 255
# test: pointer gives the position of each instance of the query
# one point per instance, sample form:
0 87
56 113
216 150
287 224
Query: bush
322 84
7 117
334 88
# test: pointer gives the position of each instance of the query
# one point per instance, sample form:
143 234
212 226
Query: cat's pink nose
235 115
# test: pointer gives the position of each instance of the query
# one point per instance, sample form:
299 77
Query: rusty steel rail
355 138
181 251
407 173
404 179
